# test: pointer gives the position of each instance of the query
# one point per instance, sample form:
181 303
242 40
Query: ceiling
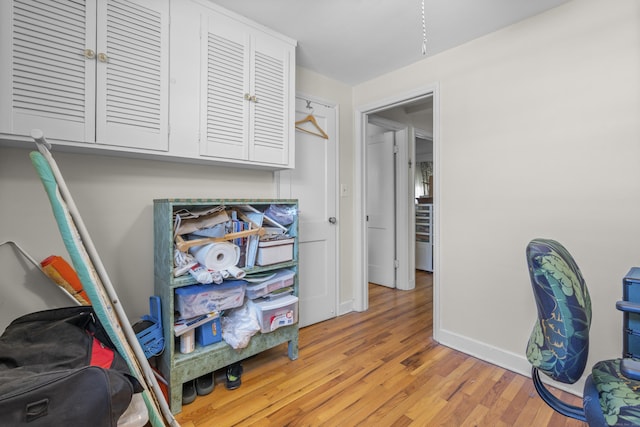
352 41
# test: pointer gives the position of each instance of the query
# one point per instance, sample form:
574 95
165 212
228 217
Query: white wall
540 137
115 198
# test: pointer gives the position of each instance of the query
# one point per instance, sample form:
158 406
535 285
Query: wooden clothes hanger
311 119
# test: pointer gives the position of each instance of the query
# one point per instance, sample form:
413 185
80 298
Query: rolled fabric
217 256
66 277
236 272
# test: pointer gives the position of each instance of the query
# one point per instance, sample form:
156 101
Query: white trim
360 261
403 274
345 307
361 294
515 362
437 241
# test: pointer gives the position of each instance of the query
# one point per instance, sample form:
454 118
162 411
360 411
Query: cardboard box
276 313
275 251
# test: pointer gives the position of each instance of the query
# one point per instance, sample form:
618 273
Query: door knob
332 219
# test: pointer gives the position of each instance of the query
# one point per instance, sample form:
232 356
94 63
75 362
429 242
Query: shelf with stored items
424 236
177 367
88 74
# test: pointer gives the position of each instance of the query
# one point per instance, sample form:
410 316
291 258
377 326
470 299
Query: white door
313 183
381 208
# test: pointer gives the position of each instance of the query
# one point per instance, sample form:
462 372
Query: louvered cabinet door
225 80
48 73
132 74
271 118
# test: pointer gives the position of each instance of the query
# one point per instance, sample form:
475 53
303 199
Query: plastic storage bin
275 251
631 321
196 300
276 313
282 279
631 288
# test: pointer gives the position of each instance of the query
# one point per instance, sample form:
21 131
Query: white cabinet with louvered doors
245 114
86 71
238 105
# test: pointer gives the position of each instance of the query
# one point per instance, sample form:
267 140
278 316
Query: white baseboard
514 362
345 307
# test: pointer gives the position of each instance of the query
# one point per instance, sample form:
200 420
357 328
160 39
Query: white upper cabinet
86 71
132 101
172 79
226 82
245 88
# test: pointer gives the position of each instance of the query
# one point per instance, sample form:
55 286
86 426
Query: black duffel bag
59 367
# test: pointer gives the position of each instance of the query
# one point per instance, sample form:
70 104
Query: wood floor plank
376 368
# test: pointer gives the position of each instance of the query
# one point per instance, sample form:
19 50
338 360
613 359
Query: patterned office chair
559 342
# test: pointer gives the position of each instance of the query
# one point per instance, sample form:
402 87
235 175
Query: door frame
361 291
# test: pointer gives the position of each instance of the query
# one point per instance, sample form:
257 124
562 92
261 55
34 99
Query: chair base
571 411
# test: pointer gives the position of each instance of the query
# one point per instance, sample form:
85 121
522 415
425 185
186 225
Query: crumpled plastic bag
282 214
240 324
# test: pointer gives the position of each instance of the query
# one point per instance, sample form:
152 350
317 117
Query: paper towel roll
217 256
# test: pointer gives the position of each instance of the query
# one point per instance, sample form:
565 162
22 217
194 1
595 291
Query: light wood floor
376 368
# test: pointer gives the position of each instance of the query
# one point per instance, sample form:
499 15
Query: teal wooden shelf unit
176 367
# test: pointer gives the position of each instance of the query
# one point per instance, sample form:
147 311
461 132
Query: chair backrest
559 342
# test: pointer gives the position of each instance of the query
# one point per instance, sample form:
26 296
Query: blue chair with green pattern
559 343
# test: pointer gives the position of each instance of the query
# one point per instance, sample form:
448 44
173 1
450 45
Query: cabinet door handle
332 219
102 57
247 97
254 98
89 54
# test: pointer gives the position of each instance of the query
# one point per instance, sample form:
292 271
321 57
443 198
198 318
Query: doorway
408 102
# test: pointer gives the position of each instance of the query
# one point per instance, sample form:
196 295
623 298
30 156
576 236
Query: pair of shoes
233 376
189 392
205 384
